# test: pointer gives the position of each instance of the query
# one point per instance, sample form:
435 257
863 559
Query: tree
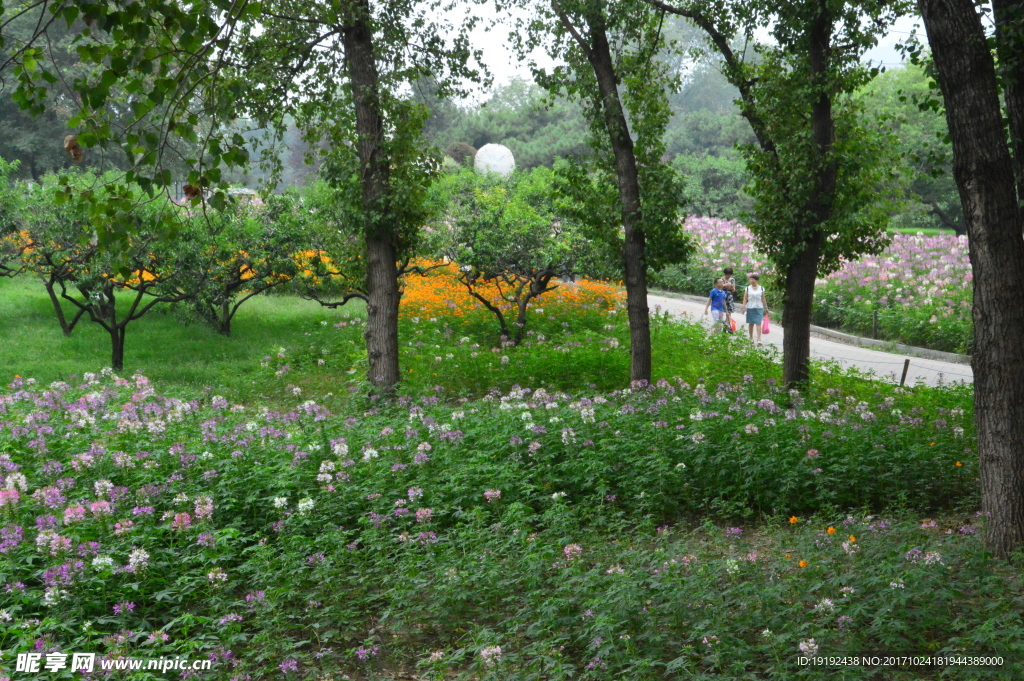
819 174
904 97
353 101
509 245
984 172
224 258
608 54
111 289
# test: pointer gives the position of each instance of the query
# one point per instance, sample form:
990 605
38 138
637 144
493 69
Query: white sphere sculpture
495 158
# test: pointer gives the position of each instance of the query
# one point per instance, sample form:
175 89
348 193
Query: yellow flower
804 563
831 530
794 520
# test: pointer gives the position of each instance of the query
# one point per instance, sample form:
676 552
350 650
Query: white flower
280 502
809 648
181 499
138 559
558 495
825 605
732 566
102 562
306 505
16 481
340 449
767 633
896 584
5 616
680 465
102 487
326 466
52 596
526 416
436 656
369 454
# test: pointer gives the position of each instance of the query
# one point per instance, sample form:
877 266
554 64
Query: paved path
884 364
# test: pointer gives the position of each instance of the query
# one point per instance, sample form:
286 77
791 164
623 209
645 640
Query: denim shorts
755 315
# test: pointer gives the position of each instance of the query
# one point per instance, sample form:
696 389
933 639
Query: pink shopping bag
765 328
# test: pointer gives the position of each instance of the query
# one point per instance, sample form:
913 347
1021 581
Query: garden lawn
180 352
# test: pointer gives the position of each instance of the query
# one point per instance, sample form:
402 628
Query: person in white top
756 306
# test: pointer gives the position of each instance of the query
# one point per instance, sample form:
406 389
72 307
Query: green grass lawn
177 355
931 231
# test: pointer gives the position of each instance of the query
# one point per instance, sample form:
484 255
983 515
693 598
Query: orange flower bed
440 294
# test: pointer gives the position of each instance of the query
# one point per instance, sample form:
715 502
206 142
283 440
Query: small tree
224 258
507 243
63 252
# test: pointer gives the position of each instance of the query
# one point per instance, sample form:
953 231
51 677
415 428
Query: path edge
885 346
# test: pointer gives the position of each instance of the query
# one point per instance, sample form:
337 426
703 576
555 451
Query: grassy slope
174 354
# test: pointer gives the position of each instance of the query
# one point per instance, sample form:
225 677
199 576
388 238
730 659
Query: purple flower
289 665
366 653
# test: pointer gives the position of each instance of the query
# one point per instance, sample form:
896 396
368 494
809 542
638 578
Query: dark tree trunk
803 271
796 315
983 171
65 326
226 313
382 292
117 348
634 244
1009 18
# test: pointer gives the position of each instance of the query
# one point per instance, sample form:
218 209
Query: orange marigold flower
788 556
804 563
853 540
931 444
958 464
794 520
831 530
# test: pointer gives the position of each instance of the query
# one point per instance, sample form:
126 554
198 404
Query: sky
504 65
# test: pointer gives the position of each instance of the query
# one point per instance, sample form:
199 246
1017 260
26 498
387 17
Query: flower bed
483 535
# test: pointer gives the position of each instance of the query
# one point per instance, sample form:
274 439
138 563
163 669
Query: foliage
517 115
528 518
905 97
507 240
715 185
10 220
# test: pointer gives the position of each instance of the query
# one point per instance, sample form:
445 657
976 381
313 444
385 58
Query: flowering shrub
919 287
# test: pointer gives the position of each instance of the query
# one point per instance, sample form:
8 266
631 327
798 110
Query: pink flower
100 508
492 494
9 497
74 514
182 521
424 515
572 551
123 527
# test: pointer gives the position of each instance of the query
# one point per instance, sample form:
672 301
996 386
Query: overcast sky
504 65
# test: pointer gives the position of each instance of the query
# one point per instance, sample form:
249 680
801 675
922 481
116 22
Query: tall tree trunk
983 171
382 292
1009 18
796 314
803 271
634 243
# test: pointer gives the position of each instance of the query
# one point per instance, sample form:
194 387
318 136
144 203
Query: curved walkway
884 364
